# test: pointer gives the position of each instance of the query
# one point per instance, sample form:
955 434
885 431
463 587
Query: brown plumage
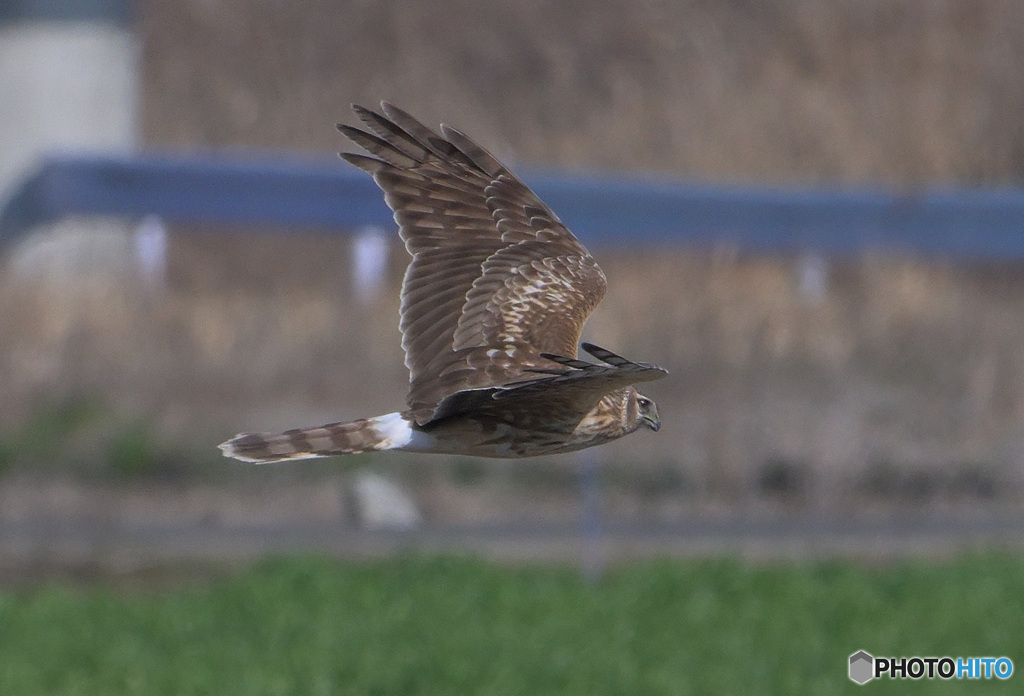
493 304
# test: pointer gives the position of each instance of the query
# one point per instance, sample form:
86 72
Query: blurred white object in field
150 241
369 263
812 278
381 504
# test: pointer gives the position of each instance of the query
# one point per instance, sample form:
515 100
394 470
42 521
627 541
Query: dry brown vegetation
899 91
903 382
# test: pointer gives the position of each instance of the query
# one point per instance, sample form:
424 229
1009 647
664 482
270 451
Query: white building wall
65 86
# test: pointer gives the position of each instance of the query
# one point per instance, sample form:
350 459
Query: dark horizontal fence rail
258 189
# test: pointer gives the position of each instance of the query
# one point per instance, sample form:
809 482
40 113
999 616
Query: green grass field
457 626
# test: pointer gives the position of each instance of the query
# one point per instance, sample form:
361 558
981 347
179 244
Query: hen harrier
493 304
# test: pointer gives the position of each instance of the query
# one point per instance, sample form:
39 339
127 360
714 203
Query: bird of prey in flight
492 307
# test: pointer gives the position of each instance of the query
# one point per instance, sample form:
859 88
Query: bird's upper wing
495 279
559 400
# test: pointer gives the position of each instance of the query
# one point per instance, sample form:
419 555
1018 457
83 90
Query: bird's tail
392 431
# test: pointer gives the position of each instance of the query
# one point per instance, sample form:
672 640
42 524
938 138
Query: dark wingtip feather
545 371
568 362
605 355
553 357
364 162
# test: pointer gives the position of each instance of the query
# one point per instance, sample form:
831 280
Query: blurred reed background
898 383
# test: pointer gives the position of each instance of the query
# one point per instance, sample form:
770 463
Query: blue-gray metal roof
106 11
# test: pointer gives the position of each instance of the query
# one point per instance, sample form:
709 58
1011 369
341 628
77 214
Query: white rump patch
393 429
396 433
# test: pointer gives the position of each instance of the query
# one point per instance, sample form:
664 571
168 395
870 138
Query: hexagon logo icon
861 667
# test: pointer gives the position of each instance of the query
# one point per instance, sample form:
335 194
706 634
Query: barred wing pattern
495 280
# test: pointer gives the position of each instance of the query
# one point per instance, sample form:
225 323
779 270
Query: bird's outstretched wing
560 399
496 280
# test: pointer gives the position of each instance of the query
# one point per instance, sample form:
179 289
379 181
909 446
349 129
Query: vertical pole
150 243
812 278
369 263
591 531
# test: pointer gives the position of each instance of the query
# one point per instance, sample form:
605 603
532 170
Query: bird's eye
644 402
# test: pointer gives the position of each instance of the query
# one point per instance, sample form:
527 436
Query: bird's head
646 411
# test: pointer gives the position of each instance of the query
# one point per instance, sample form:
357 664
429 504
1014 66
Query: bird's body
476 435
493 304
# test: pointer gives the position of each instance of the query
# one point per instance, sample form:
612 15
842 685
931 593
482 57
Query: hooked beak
652 421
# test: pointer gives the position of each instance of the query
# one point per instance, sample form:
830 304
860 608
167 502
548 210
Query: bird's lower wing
556 401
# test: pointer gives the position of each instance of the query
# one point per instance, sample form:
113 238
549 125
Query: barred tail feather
392 431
